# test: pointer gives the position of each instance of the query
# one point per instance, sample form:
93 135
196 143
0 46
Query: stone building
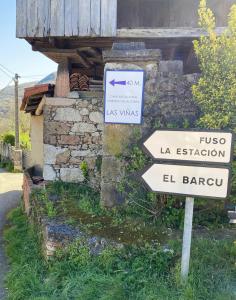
87 37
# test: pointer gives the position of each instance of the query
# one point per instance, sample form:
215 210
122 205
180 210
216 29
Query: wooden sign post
176 177
187 238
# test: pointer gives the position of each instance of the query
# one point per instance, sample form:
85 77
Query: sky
15 54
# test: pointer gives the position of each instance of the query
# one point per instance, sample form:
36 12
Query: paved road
10 191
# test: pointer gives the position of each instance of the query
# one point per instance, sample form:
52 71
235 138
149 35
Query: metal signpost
124 90
193 163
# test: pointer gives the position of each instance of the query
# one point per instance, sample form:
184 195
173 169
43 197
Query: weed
129 273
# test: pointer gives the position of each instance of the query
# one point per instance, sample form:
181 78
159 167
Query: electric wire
3 89
9 71
3 71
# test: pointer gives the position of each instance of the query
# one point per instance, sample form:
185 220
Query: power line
6 85
9 71
1 69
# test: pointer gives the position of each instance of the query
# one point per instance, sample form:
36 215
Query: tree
216 90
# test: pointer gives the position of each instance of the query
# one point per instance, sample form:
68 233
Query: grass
8 165
132 273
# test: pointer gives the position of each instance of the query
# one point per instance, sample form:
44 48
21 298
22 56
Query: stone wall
167 100
73 134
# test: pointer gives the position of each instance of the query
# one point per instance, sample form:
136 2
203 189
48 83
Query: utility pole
17 133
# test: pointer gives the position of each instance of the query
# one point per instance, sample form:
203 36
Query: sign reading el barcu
210 151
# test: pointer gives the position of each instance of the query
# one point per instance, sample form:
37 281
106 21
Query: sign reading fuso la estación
196 146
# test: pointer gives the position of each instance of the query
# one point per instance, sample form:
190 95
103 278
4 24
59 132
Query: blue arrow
113 82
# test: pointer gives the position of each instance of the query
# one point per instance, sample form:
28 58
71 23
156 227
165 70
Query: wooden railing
69 18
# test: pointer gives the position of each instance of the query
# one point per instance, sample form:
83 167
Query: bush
25 141
9 138
216 90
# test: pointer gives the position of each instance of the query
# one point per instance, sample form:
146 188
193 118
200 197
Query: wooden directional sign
195 146
188 180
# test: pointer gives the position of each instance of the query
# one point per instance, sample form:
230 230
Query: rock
69 140
50 154
86 153
151 87
151 71
67 115
100 127
53 101
83 127
50 139
63 158
73 95
109 195
56 235
71 175
112 168
49 173
84 112
52 128
96 117
171 66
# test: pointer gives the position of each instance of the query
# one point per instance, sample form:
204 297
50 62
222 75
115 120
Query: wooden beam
63 79
40 107
84 60
184 32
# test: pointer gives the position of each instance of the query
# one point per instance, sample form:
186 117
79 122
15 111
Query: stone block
129 46
50 154
85 153
151 71
53 128
59 102
69 140
109 195
171 66
71 175
83 127
96 117
48 173
63 158
151 87
73 95
50 139
112 169
143 55
67 115
116 138
84 112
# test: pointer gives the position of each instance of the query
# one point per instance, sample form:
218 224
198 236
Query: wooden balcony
114 18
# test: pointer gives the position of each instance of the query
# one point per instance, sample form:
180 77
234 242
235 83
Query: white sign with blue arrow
124 94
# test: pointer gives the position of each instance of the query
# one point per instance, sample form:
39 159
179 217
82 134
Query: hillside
7 98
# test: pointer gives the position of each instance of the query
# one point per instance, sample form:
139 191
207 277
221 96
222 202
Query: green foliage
216 90
45 206
8 165
25 140
84 169
130 273
9 138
